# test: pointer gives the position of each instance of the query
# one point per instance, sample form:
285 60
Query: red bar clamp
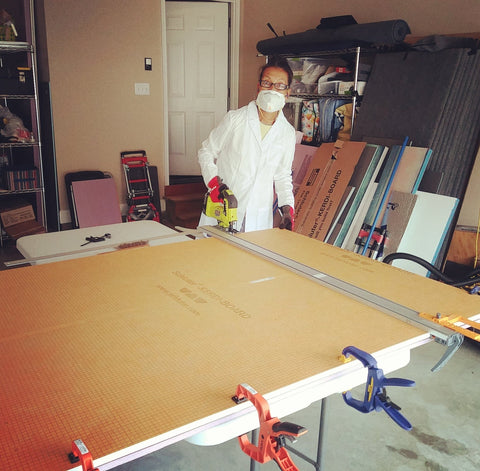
272 433
80 453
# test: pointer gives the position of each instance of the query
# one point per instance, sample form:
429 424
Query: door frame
233 69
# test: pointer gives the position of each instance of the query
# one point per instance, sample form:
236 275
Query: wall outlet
142 89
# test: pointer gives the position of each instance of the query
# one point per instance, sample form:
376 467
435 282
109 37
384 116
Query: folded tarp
381 33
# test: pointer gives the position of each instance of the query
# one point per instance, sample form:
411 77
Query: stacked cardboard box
18 220
324 185
368 198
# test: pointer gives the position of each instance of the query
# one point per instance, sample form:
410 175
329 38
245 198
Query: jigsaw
221 204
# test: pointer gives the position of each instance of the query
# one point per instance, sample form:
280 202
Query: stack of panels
432 98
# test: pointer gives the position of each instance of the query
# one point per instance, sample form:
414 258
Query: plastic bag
12 128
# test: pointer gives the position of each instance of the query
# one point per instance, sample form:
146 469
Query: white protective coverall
250 166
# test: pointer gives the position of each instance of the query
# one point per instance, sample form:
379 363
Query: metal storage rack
21 98
355 56
355 53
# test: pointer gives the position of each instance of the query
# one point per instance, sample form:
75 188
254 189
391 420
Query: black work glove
288 218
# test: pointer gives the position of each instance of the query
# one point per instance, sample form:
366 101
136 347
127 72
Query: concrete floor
443 407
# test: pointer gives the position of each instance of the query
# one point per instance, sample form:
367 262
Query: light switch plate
142 89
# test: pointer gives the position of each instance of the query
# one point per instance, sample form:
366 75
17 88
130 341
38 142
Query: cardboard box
20 221
345 88
300 165
322 190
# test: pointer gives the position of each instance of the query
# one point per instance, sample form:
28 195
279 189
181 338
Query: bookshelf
21 170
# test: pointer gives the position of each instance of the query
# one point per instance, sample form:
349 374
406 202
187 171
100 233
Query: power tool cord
469 279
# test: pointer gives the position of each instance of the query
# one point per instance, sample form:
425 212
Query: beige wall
96 50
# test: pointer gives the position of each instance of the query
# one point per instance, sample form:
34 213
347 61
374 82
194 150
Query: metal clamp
271 441
80 453
375 393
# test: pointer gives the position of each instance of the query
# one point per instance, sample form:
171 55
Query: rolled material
368 34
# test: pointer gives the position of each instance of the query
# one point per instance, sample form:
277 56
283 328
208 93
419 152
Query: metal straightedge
452 340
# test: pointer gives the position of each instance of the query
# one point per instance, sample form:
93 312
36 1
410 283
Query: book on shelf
21 178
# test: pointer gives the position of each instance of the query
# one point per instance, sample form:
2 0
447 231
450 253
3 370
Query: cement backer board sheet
363 179
408 289
357 221
411 169
88 355
426 229
408 175
341 210
400 208
384 180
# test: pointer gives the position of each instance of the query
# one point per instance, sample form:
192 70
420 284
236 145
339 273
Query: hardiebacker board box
324 185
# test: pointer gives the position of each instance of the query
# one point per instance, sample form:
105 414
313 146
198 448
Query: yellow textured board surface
405 288
121 347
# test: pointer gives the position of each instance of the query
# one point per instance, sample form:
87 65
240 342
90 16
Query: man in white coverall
251 151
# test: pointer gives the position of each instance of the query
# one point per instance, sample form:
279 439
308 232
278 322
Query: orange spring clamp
80 453
272 433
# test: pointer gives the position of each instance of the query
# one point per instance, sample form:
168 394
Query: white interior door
197 67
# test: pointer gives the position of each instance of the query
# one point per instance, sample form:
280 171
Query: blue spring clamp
375 393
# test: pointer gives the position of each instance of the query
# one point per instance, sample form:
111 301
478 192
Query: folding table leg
318 464
253 463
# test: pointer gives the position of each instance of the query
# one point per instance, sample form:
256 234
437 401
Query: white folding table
66 245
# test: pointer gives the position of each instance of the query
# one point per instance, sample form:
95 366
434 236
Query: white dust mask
270 100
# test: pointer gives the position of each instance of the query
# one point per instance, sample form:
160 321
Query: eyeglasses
278 86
